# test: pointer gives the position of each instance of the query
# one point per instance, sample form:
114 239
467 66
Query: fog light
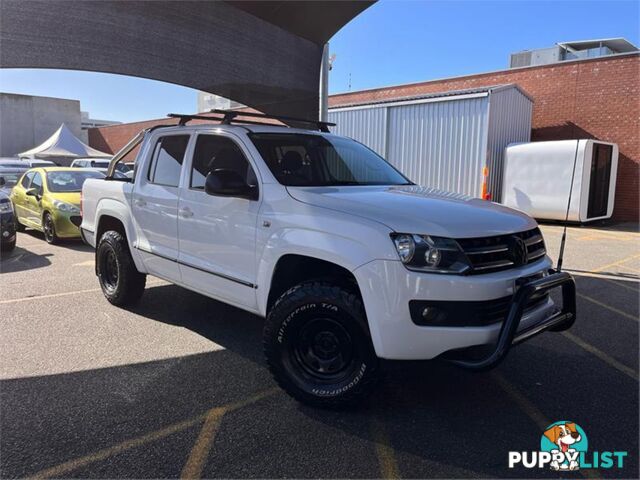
432 314
5 234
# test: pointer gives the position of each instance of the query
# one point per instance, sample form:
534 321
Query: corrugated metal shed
443 140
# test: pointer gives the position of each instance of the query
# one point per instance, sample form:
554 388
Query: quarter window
214 152
166 163
26 179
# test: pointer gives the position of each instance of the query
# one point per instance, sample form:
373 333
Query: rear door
155 205
33 204
19 197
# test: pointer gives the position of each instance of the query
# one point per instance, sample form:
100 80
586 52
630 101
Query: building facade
27 121
590 98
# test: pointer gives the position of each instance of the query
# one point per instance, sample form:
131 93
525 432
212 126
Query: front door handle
138 202
185 212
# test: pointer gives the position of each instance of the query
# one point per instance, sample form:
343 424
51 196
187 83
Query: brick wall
596 98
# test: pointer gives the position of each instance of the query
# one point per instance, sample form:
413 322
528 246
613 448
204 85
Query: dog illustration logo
565 441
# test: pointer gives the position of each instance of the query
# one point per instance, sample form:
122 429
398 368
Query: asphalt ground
177 386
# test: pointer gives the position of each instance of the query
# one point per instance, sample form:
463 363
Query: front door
155 206
218 234
33 203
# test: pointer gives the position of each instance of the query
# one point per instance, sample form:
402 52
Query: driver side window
214 152
26 180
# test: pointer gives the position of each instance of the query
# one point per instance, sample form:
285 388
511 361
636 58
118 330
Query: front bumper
387 289
64 224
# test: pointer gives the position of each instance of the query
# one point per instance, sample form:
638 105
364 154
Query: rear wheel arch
109 222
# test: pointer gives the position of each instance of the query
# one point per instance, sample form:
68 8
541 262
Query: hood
413 209
68 197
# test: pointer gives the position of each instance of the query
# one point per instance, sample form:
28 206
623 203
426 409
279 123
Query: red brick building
593 98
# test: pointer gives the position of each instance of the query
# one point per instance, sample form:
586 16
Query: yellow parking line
613 264
200 451
531 411
523 402
201 448
602 356
608 307
71 465
384 451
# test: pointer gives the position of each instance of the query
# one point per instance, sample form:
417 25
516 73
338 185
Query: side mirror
224 182
32 192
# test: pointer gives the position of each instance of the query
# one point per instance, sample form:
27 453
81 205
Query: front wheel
318 346
120 281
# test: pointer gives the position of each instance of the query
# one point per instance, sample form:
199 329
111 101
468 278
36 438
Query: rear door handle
185 212
138 202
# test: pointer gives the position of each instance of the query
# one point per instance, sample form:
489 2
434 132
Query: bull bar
560 320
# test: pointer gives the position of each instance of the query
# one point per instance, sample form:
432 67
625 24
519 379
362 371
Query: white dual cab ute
348 261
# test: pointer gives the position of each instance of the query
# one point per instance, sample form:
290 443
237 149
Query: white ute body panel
228 248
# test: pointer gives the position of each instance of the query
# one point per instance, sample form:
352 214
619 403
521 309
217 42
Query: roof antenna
566 218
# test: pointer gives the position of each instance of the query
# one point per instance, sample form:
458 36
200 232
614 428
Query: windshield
70 181
313 160
9 179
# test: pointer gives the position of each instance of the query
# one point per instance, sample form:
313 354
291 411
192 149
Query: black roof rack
227 117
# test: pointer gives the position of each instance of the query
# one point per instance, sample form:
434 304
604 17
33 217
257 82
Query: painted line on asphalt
533 412
62 294
384 451
204 443
605 276
71 465
608 307
612 362
200 451
613 264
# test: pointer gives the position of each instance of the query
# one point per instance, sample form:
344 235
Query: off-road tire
319 311
120 281
49 229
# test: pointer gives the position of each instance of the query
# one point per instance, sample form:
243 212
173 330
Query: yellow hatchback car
48 199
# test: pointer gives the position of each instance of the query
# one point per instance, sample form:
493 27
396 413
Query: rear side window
215 152
166 162
26 179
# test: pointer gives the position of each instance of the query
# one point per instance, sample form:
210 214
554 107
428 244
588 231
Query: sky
392 42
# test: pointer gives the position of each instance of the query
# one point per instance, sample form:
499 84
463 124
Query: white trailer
537 179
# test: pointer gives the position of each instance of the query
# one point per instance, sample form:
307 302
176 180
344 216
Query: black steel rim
324 350
48 228
110 270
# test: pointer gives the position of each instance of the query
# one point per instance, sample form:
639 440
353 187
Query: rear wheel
318 346
49 228
120 281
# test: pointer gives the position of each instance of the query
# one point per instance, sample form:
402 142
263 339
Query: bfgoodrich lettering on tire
318 346
119 279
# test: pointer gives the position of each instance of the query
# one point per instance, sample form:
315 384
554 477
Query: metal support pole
324 85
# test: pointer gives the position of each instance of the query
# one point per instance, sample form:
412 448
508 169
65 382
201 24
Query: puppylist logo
564 447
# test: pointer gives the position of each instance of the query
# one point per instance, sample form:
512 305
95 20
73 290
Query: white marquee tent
62 148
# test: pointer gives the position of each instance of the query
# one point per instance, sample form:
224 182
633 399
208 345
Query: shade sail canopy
265 55
63 144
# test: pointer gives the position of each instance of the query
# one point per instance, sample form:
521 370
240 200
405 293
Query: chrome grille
492 254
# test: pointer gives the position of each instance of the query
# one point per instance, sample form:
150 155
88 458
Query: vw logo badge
519 254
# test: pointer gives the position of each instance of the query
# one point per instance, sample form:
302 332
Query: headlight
426 253
65 207
6 207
